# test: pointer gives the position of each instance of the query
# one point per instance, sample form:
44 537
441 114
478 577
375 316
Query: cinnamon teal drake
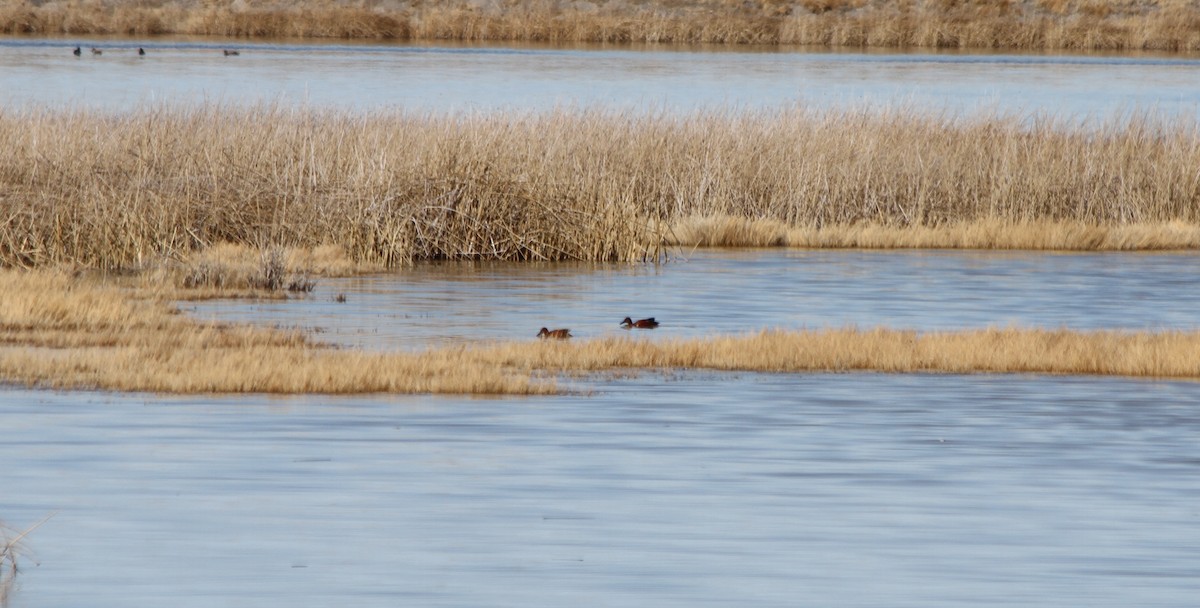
640 323
558 334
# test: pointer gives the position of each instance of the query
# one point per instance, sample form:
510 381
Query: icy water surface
43 72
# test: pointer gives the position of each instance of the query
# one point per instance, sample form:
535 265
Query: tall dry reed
1030 24
389 187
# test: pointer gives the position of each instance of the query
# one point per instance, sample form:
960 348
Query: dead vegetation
980 24
171 185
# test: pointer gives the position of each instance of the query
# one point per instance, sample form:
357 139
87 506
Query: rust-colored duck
649 323
557 334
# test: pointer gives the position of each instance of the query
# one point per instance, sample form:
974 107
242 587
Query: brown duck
558 334
649 323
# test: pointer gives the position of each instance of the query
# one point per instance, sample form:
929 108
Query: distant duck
141 51
229 53
557 334
96 51
640 323
78 51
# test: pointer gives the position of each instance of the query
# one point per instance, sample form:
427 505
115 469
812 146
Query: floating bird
96 51
229 53
141 51
640 323
78 51
558 334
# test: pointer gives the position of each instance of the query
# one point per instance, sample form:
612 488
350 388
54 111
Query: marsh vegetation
388 188
981 24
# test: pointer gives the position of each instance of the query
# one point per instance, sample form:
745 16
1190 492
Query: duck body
78 51
96 51
229 53
556 334
648 323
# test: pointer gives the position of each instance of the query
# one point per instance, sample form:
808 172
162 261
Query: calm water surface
705 292
677 490
664 489
450 78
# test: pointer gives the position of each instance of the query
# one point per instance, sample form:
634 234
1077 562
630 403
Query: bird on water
78 51
649 323
557 334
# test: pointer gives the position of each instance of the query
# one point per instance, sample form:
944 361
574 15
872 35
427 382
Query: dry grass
1055 235
996 350
12 548
165 184
63 332
1011 24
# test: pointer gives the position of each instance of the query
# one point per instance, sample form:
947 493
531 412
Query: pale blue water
670 488
678 490
464 78
706 292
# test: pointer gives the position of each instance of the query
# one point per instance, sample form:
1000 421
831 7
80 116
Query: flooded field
455 78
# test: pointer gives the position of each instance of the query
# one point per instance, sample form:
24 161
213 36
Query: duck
141 51
78 51
229 53
558 334
96 51
649 323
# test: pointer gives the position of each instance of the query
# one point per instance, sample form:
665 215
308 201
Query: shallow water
43 72
666 490
706 292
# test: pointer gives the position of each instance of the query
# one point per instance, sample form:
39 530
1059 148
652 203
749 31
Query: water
457 78
667 488
708 292
678 490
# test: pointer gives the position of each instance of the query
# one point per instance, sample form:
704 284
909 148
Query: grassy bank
130 190
71 332
985 24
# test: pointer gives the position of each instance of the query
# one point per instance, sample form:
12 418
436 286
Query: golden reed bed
72 332
1170 25
135 189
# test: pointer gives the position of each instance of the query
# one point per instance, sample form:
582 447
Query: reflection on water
661 490
426 77
733 292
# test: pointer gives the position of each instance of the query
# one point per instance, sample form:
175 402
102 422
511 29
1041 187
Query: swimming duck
141 51
640 323
78 51
229 53
558 334
96 51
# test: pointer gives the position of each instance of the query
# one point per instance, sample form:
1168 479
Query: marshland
269 318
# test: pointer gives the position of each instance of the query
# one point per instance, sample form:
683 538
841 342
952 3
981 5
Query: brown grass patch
1007 24
167 184
63 332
